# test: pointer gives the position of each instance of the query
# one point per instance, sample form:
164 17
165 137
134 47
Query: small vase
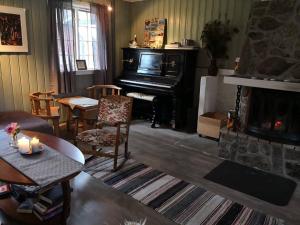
213 68
13 141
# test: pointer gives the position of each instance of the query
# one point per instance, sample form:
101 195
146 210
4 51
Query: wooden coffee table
11 175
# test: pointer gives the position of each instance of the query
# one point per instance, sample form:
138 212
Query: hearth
267 134
274 115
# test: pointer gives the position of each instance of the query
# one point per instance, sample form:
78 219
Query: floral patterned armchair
112 129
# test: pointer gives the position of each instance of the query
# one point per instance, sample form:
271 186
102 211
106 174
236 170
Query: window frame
77 7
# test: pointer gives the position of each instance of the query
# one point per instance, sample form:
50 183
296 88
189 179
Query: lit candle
24 146
35 144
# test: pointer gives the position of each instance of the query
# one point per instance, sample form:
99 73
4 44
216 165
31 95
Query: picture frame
13 29
81 64
155 32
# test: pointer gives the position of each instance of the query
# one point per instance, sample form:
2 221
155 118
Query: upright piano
168 74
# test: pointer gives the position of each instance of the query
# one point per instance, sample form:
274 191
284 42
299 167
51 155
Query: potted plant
215 37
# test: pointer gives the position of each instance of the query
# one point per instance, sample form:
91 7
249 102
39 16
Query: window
86 38
83 34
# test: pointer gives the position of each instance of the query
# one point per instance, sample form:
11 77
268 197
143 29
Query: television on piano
150 63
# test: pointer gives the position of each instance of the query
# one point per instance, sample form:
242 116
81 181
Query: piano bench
149 98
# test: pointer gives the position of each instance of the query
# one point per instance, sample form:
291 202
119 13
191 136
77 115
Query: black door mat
265 186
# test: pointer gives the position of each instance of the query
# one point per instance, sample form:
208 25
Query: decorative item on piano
133 43
154 35
215 37
173 45
187 42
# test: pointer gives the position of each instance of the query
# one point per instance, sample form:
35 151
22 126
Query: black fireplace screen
275 115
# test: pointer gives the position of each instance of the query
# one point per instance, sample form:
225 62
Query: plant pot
213 68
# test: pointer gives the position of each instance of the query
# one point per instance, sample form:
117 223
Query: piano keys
168 74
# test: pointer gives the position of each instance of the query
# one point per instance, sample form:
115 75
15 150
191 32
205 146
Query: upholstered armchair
111 131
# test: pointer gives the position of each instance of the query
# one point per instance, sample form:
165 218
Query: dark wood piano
168 74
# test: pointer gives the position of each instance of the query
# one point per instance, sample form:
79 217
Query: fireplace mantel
267 84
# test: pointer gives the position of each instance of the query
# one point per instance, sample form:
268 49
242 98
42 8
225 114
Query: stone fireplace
270 143
269 102
274 115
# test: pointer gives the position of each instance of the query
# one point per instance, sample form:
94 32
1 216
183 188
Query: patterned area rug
180 201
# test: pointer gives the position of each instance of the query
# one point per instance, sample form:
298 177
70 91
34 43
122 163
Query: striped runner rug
178 200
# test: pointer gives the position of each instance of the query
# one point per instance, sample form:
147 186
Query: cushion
100 137
141 96
114 109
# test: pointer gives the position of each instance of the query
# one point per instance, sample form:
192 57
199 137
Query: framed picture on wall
13 30
81 64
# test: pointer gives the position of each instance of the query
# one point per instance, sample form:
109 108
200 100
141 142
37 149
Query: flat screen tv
150 63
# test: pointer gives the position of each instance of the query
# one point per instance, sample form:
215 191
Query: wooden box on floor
210 124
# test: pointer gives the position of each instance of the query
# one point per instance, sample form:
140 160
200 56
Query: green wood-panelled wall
186 18
22 73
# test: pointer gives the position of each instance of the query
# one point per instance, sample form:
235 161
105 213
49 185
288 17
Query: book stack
26 195
22 192
177 45
172 46
26 206
49 204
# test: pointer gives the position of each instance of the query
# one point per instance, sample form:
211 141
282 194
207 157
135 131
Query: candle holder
24 145
29 147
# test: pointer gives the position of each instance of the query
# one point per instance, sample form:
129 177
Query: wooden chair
98 91
112 129
42 105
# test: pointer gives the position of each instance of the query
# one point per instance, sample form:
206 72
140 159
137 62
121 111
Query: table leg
69 118
83 120
56 126
67 201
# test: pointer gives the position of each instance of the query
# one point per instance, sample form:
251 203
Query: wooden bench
148 98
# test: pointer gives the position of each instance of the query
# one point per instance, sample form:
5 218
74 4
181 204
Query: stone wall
272 49
268 156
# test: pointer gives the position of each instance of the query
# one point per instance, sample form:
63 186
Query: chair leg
56 127
126 153
76 127
69 118
116 157
75 142
154 111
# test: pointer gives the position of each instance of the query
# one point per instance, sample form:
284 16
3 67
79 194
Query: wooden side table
88 108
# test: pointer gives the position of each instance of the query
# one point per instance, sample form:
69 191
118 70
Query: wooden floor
182 155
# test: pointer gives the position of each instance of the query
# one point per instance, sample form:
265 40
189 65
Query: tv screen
150 63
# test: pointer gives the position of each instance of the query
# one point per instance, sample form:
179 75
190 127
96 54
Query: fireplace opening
274 115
